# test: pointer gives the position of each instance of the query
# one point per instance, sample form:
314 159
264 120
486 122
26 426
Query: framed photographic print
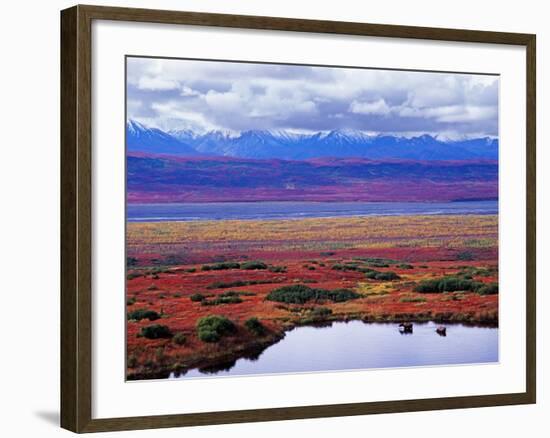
268 218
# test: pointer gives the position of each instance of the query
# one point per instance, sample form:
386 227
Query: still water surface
358 345
298 210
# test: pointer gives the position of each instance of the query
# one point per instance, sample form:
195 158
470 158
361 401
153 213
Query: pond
357 345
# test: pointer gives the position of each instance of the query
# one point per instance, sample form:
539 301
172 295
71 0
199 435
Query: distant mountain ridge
284 145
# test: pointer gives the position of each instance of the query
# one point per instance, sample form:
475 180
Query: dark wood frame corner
76 238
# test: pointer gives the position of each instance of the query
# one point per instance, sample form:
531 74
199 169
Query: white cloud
156 83
176 116
379 107
241 96
188 92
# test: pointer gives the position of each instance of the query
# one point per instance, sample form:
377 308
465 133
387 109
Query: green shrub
346 266
300 293
321 312
237 293
190 270
255 326
488 289
132 275
159 270
478 272
447 284
222 300
383 276
404 266
277 269
412 300
237 283
227 284
197 297
378 265
131 261
139 314
252 265
156 331
316 315
207 335
131 301
179 338
211 328
376 260
221 266
152 287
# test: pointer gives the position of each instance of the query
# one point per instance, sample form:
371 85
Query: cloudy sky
208 95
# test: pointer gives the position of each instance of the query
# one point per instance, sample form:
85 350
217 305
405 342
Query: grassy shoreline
255 347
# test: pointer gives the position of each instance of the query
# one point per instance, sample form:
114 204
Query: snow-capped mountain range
264 144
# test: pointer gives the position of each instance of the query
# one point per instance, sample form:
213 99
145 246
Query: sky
202 96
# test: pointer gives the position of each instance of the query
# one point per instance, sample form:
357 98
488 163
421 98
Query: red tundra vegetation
203 294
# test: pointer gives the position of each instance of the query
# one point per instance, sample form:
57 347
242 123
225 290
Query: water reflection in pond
357 345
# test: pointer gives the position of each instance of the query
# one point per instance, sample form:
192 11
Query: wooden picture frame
76 217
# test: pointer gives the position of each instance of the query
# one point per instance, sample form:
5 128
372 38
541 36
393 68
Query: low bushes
222 300
488 289
446 284
316 315
197 297
378 265
221 266
370 273
376 260
478 272
139 314
383 276
321 312
300 293
179 338
255 326
213 327
452 284
156 331
237 283
253 265
237 293
230 297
